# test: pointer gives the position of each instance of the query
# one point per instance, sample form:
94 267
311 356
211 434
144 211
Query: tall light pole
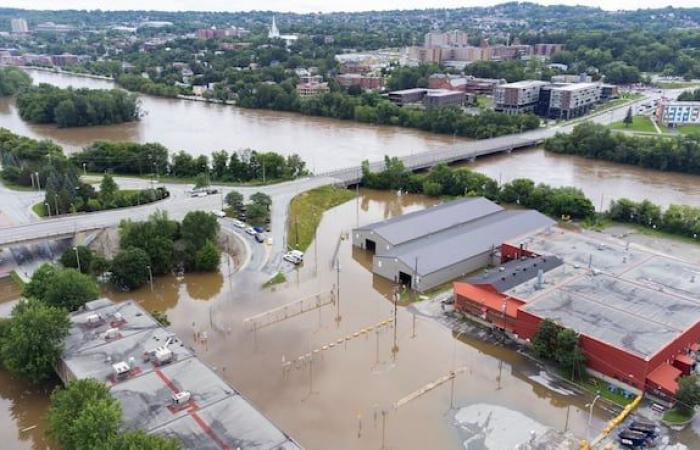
150 276
337 288
38 181
84 168
48 208
590 416
77 257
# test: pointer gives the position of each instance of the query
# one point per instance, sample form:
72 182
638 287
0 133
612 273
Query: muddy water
326 144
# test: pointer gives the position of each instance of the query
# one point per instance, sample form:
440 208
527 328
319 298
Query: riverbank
61 71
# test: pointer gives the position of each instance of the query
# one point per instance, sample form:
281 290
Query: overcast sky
303 6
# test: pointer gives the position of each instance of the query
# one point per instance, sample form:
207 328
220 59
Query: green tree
197 228
688 394
83 415
234 199
568 353
84 254
40 282
32 339
71 289
201 181
108 190
130 268
544 342
261 199
207 258
628 118
257 214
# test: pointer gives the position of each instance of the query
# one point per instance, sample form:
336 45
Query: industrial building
427 248
637 312
428 97
161 386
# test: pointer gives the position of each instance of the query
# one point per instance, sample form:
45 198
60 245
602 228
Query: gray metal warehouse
430 247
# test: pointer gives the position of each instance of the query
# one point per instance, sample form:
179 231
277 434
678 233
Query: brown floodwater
337 402
327 144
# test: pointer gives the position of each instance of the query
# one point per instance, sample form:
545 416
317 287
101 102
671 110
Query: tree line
130 158
690 96
683 220
137 83
68 107
443 180
677 154
13 81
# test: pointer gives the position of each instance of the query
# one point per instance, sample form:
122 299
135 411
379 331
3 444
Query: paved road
24 227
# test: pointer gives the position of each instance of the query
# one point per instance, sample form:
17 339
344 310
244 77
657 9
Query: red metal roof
488 298
685 359
695 347
665 377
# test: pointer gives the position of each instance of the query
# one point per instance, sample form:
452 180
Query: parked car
259 229
218 213
238 224
251 231
294 256
260 237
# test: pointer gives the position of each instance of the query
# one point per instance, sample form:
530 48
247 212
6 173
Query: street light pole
48 208
590 417
38 181
77 257
150 276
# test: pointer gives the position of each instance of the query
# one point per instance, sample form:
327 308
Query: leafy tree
83 415
32 339
207 258
261 199
13 80
568 353
108 189
85 255
197 228
234 199
130 268
688 394
201 181
41 280
71 289
257 214
544 342
99 265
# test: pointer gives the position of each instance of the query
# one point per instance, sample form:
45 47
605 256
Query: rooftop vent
182 397
93 319
111 333
121 369
162 355
118 317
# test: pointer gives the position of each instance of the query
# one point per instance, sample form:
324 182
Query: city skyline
308 6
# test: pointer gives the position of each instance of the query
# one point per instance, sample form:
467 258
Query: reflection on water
23 409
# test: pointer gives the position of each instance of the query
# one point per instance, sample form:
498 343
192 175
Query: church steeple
274 32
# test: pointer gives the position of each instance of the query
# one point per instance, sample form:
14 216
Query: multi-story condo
450 39
522 96
675 113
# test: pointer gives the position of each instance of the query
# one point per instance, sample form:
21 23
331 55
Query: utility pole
55 202
337 287
77 257
150 276
48 208
38 180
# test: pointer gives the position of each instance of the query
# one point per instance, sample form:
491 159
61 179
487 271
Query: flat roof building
430 247
675 113
161 386
522 96
637 312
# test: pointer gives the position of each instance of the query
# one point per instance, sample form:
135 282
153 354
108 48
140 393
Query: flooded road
326 144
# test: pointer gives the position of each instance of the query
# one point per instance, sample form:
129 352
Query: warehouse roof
433 252
624 314
214 417
407 227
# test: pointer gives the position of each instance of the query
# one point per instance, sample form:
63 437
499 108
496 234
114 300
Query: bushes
76 107
13 80
130 268
676 154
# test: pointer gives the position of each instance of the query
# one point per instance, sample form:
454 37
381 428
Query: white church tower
274 31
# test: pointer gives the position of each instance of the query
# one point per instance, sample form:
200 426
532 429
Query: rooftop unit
121 369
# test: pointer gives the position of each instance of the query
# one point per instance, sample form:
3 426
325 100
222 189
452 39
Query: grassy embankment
640 124
674 415
279 278
306 210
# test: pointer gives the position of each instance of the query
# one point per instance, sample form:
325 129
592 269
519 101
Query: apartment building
19 26
675 113
566 101
519 97
547 50
366 82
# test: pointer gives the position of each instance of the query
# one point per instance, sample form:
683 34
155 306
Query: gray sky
316 5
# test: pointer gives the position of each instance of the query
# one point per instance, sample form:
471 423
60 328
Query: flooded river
327 144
